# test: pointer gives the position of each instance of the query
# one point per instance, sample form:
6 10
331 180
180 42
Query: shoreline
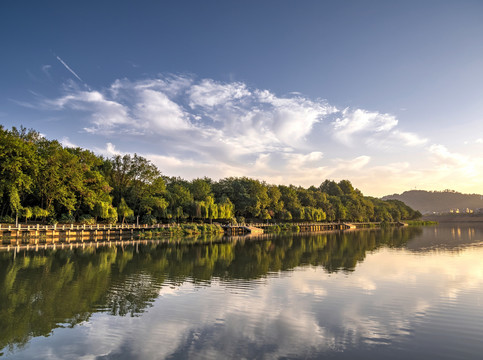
453 218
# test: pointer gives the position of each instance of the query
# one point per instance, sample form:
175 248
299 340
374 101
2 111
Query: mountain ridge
439 201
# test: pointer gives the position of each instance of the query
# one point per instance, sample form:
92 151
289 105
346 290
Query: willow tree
124 211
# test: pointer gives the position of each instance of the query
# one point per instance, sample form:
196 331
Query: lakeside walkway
11 235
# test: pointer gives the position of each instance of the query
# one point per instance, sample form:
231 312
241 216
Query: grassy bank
420 222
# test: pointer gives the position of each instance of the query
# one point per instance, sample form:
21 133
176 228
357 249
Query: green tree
331 188
26 213
18 167
201 189
124 211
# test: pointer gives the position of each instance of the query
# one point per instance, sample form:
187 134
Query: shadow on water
47 289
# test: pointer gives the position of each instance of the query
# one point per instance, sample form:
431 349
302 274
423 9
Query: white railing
38 227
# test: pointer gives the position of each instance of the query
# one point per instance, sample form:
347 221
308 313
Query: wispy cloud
352 122
46 70
109 150
195 127
65 141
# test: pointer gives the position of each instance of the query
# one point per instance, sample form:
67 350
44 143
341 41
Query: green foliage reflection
40 291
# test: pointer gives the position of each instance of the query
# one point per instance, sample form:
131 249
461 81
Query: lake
398 293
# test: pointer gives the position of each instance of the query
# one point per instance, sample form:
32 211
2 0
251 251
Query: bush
190 229
111 220
66 219
7 220
149 219
87 220
51 220
273 229
286 227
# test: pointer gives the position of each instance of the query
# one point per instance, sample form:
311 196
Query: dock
11 235
45 234
241 230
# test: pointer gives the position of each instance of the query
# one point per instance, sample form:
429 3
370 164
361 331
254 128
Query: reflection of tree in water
40 292
131 295
44 290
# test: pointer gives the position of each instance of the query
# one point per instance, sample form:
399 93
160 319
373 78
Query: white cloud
109 150
352 164
209 93
293 118
193 128
310 159
104 115
409 139
444 157
46 70
224 115
65 141
393 141
156 111
357 121
452 167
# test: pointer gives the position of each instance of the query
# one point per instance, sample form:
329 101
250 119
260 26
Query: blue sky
387 94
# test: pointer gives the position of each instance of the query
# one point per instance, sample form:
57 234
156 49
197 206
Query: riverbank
22 235
451 218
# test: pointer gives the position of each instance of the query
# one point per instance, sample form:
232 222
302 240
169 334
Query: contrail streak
68 68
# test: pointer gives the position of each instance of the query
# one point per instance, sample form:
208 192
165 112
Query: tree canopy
42 180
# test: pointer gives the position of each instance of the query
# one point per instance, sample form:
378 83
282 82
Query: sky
386 94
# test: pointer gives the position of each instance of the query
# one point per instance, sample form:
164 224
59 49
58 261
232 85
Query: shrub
149 219
51 220
87 220
7 220
66 219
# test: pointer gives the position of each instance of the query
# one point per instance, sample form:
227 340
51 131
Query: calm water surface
413 293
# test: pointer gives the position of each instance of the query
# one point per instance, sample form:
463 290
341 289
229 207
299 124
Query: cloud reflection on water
398 301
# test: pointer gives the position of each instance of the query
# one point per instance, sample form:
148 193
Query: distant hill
438 201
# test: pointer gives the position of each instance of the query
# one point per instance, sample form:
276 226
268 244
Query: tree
331 188
124 211
18 167
26 213
249 196
179 196
38 212
134 178
40 178
226 209
200 189
59 177
291 201
346 187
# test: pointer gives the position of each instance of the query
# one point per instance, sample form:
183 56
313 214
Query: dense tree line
44 181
